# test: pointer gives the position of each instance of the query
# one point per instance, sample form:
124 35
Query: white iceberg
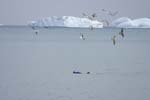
125 22
66 21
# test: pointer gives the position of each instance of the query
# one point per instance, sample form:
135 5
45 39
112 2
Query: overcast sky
22 11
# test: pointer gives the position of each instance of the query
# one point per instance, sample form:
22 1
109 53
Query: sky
20 12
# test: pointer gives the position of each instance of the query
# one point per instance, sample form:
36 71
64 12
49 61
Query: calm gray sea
40 66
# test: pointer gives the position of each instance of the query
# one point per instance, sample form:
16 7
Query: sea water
40 66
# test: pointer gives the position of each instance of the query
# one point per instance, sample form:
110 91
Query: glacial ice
125 22
66 21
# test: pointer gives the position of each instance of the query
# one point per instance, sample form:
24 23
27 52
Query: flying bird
106 22
91 27
82 37
115 36
91 17
121 32
113 13
114 39
94 15
36 32
110 13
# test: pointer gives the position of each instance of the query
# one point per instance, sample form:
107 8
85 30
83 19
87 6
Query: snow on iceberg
66 21
125 22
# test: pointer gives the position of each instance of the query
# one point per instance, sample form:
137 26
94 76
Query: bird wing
114 13
84 14
94 15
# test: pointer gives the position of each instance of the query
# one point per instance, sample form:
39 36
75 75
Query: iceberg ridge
66 21
125 22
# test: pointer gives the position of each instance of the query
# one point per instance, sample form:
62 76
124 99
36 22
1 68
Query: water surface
40 67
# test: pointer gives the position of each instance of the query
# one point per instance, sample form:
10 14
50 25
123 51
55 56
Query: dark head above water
76 72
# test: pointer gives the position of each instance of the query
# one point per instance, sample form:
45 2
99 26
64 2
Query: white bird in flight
106 22
110 13
91 17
